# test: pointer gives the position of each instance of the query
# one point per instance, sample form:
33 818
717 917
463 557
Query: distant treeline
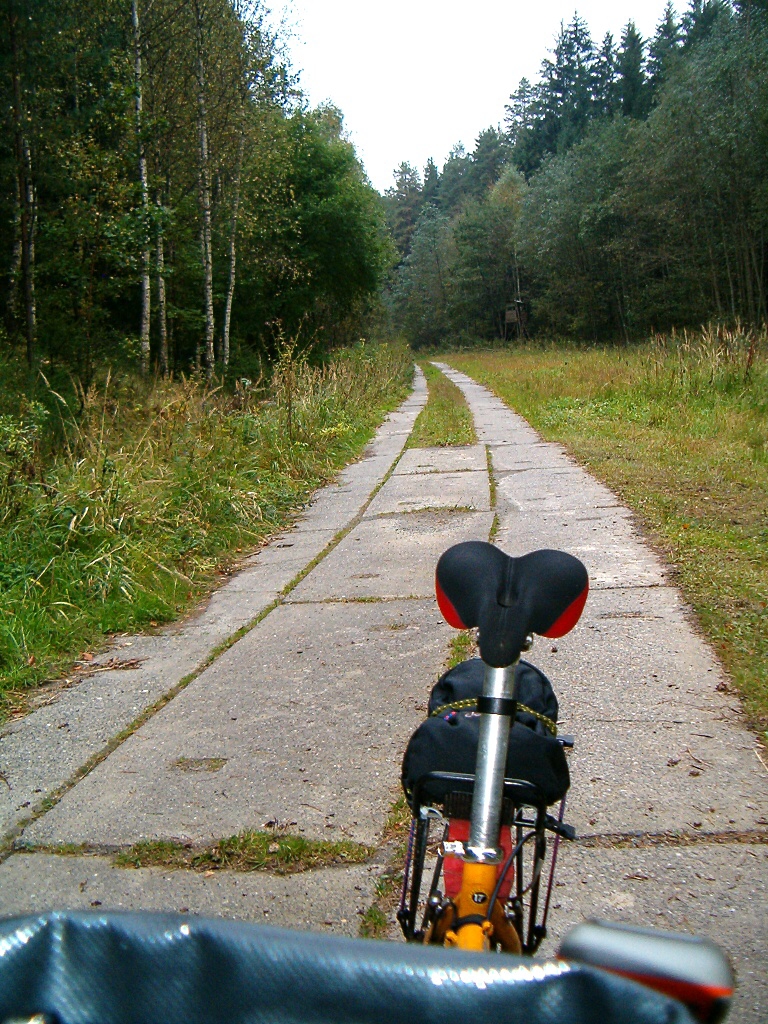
628 191
166 195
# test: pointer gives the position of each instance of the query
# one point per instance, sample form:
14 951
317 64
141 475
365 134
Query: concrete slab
527 451
442 460
333 507
605 539
662 776
719 890
40 752
561 488
412 493
286 555
330 900
307 717
393 556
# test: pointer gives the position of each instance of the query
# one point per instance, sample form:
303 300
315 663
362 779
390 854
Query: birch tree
25 184
144 184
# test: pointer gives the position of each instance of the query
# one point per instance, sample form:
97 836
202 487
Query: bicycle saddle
543 592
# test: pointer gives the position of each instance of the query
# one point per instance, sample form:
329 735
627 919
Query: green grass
463 645
277 852
445 420
121 506
679 429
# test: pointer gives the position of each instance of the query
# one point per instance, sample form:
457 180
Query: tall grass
152 489
679 428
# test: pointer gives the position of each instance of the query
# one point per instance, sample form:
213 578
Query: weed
463 645
491 475
275 851
374 923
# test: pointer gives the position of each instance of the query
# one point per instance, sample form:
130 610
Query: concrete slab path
301 681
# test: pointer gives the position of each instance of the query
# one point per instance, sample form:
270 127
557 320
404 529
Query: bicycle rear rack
526 815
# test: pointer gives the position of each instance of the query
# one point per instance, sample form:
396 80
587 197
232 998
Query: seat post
497 707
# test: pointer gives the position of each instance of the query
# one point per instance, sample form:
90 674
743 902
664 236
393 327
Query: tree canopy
164 187
634 182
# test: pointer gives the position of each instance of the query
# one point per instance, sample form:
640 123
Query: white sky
412 79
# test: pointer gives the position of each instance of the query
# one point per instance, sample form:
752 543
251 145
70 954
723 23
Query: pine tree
431 188
454 179
522 116
663 49
568 86
605 78
634 95
487 161
403 202
700 18
747 8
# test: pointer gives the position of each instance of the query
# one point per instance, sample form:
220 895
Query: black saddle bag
447 740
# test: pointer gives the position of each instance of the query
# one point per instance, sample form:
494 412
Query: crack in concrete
623 840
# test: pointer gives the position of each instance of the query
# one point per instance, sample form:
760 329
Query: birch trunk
162 305
144 183
204 188
15 272
26 192
232 252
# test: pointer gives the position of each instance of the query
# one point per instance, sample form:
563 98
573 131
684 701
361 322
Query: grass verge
445 419
678 428
276 852
121 506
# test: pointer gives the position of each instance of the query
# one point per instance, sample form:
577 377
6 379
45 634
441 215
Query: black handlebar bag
93 968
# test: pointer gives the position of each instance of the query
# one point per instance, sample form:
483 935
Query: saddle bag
447 741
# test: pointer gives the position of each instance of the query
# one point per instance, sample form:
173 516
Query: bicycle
491 811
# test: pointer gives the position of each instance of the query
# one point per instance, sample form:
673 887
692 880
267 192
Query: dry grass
277 851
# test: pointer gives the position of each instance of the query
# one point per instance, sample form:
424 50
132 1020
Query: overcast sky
412 79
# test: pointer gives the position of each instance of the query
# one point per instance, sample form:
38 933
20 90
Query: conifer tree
634 95
605 78
663 49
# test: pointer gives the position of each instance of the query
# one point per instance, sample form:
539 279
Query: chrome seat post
485 821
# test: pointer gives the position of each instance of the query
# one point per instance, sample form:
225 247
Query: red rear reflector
447 610
569 618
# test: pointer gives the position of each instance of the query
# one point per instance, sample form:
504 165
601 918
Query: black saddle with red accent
478 584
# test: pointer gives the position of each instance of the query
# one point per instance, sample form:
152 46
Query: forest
626 193
170 202
168 199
